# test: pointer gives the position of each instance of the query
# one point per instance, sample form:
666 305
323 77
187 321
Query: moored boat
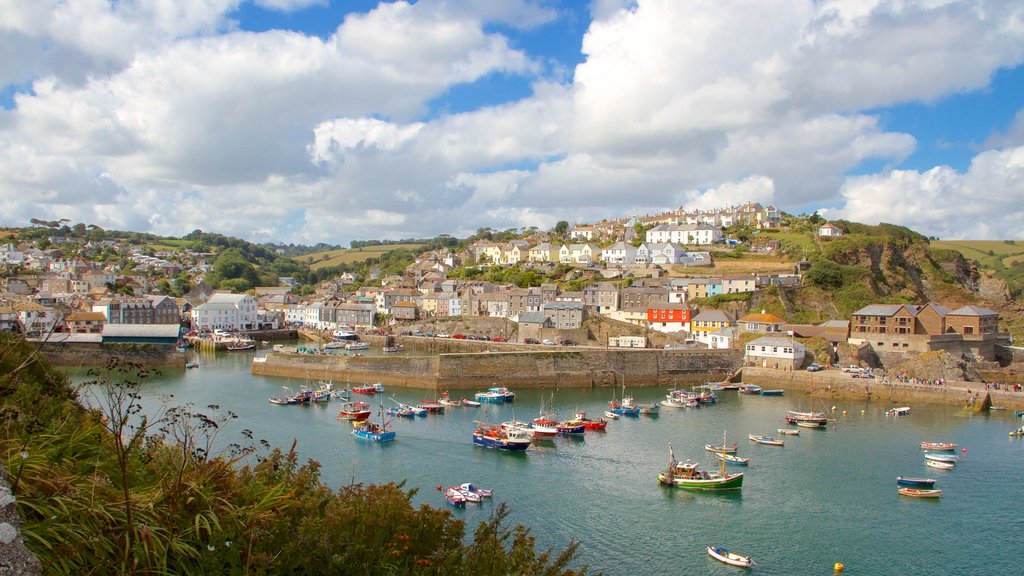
690 476
938 446
952 458
455 497
900 411
772 392
723 449
731 558
749 389
796 417
811 424
766 439
940 465
368 388
611 415
915 482
589 424
357 346
375 431
491 436
483 492
354 411
919 493
572 426
732 459
788 431
242 345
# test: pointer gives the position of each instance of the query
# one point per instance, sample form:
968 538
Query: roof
563 306
712 316
972 311
86 317
773 341
533 318
762 318
881 309
141 330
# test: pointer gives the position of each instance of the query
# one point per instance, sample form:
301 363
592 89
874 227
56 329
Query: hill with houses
716 278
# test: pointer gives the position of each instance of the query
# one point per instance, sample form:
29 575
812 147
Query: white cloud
983 203
160 115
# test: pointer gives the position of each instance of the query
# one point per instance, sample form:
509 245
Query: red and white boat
938 446
354 411
589 424
368 389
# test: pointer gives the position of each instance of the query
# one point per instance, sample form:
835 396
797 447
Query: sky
306 121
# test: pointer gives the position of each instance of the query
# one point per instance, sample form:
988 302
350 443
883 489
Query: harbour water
827 496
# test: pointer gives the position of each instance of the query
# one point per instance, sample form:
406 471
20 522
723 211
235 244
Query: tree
561 228
824 274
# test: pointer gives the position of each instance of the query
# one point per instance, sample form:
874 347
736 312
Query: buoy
862 412
839 566
833 408
844 412
438 487
965 450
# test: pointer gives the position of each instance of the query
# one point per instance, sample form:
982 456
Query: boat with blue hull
915 482
494 436
496 395
368 430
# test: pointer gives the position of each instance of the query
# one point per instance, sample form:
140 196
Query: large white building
691 234
226 312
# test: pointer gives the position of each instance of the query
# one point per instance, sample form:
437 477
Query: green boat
688 475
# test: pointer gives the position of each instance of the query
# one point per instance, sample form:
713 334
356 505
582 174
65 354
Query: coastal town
640 282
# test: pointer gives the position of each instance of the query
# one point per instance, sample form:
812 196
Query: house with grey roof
774 352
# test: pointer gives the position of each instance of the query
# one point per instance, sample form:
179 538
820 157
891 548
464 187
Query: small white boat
766 439
919 493
468 402
788 432
940 465
810 424
611 415
901 411
731 558
951 458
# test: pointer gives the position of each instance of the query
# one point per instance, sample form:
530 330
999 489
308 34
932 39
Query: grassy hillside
981 249
327 258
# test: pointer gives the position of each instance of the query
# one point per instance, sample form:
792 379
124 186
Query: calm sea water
827 496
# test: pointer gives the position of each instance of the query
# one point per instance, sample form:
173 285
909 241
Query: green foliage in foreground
111 491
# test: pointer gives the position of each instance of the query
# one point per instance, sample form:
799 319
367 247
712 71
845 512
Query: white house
226 312
774 352
619 253
701 234
828 230
665 253
578 253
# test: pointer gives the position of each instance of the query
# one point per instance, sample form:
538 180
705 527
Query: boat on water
357 346
393 348
731 558
590 424
447 400
342 334
811 424
354 411
492 436
496 395
788 432
722 449
732 459
455 497
192 365
690 476
766 439
919 493
749 389
368 388
335 345
468 402
915 482
796 417
611 415
648 409
571 426
900 411
772 392
482 492
938 446
935 457
940 465
625 407
431 406
376 431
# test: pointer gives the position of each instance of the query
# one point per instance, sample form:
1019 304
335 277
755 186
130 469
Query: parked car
458 336
547 342
568 342
814 367
531 341
497 339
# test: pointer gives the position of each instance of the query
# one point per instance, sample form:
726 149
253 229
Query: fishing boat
766 439
286 399
938 446
357 346
590 424
334 345
688 475
934 457
354 411
571 426
542 431
447 400
731 558
611 415
455 497
679 398
378 432
431 406
749 389
919 493
722 449
901 411
796 417
368 388
626 406
732 459
788 432
940 465
811 424
496 395
492 436
772 392
915 482
342 334
482 492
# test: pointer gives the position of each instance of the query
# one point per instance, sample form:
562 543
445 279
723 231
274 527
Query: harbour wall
97 354
836 385
549 368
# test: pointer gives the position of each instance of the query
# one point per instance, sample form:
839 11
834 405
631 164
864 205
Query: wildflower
24 455
211 547
227 544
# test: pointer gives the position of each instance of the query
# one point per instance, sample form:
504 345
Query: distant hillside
329 258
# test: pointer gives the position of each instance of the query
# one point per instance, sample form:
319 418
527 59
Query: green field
981 249
349 255
804 241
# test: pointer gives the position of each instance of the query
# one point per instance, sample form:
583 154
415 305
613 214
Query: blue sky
312 121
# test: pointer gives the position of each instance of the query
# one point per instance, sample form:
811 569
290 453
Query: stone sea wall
836 385
549 368
95 354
